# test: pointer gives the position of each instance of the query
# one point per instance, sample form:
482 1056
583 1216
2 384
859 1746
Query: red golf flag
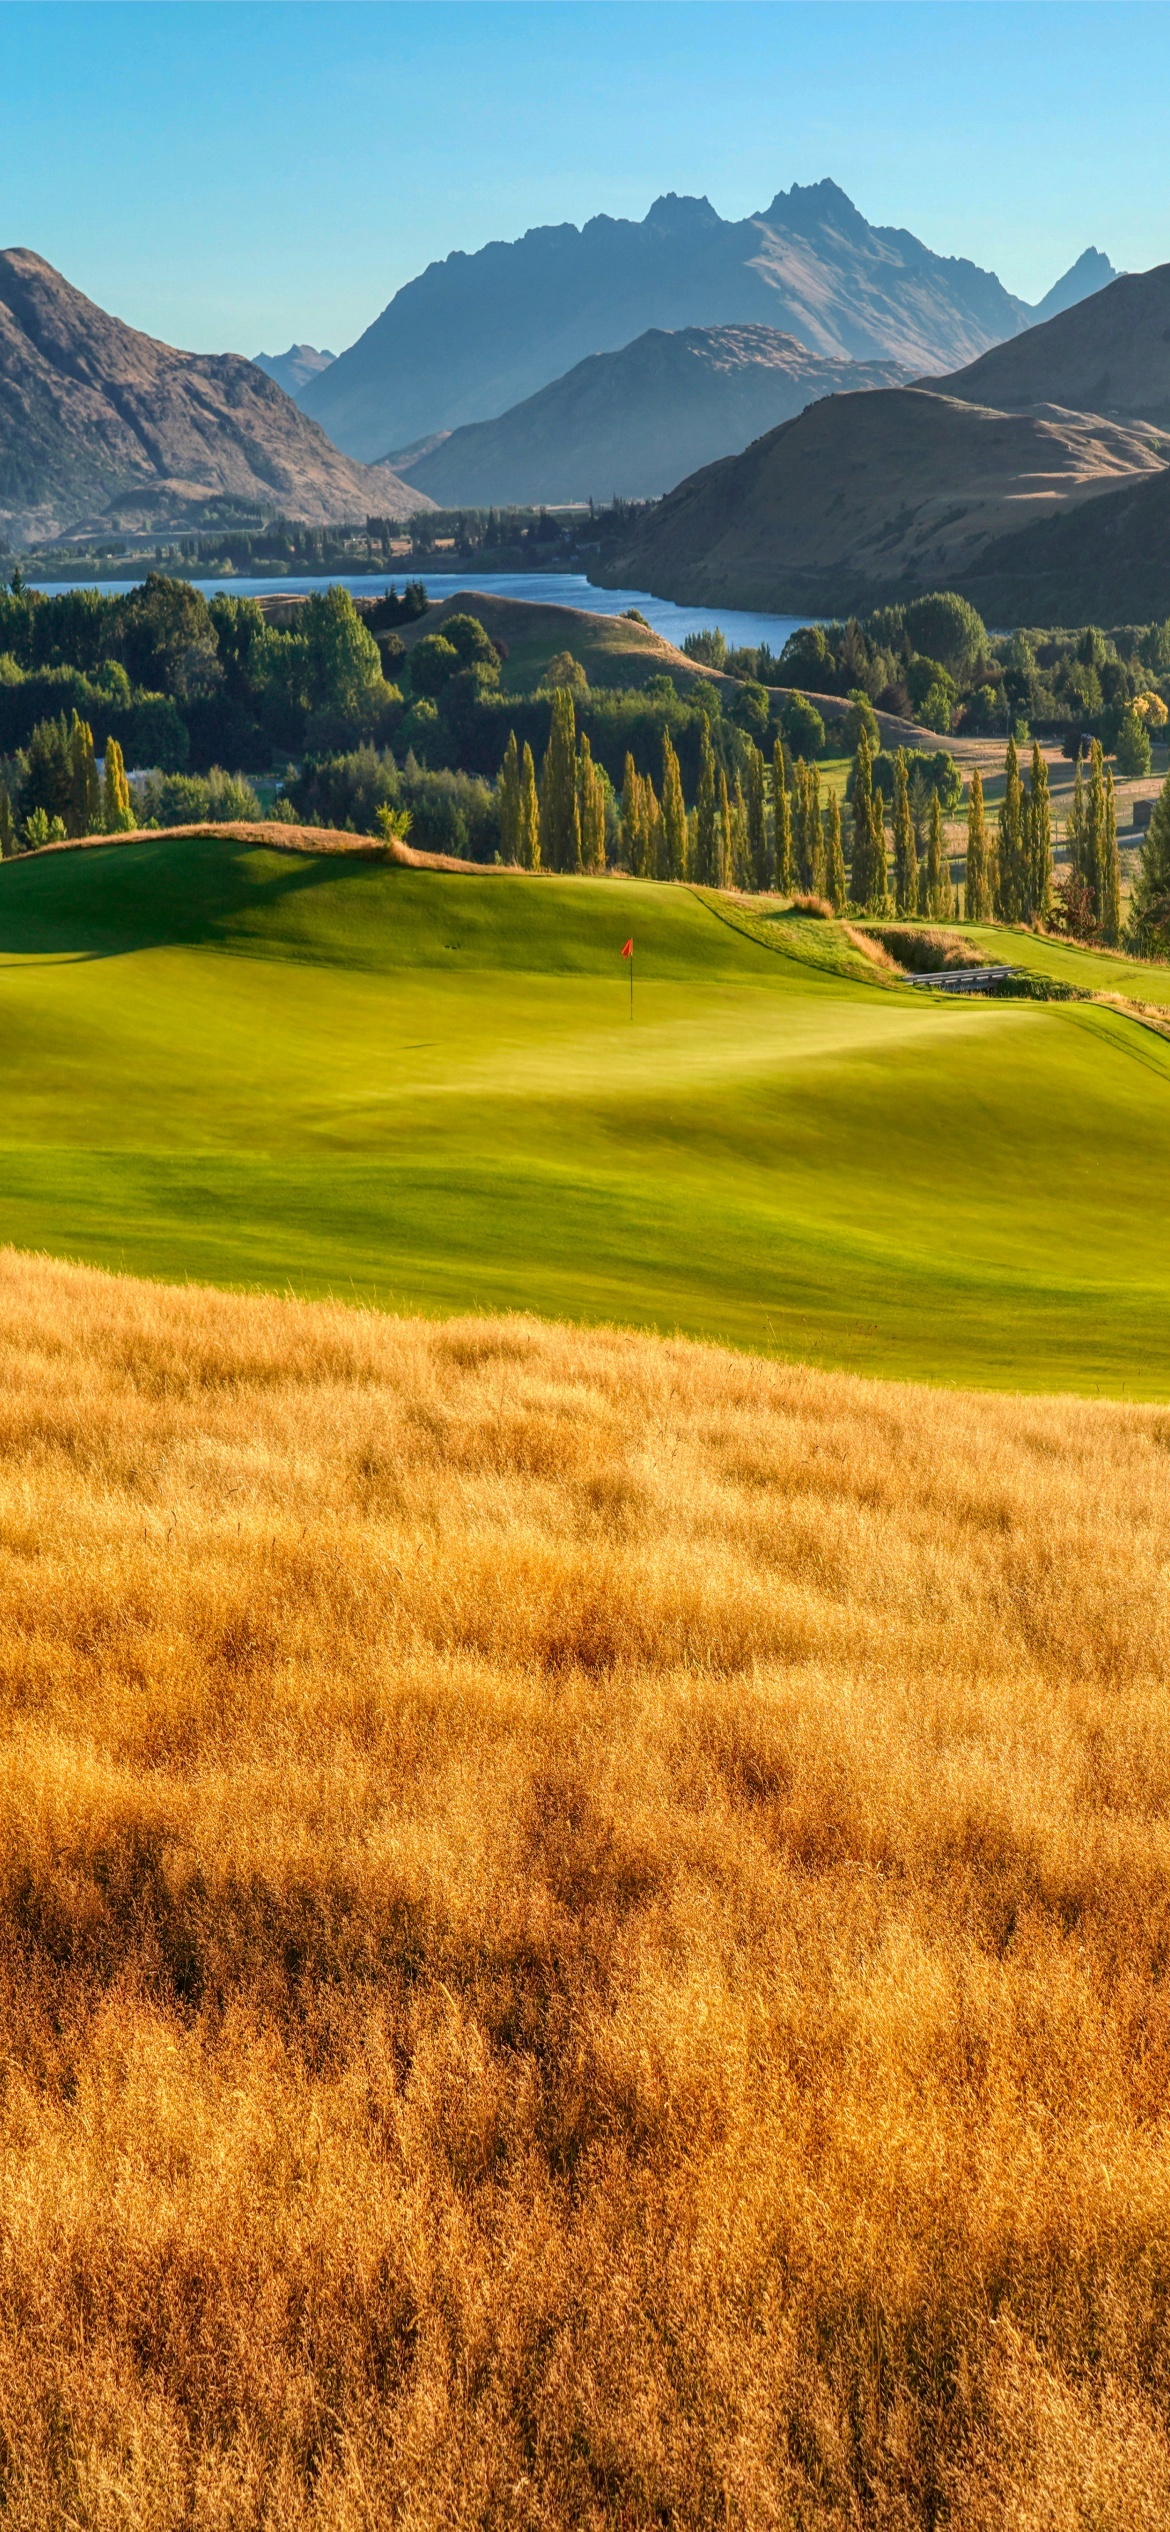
628 947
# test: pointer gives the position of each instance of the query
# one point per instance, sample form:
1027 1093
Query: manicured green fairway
424 1090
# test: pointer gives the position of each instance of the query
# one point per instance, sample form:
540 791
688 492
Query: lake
742 629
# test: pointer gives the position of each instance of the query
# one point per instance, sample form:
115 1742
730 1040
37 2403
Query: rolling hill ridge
869 496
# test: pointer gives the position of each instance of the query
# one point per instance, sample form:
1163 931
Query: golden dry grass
585 1932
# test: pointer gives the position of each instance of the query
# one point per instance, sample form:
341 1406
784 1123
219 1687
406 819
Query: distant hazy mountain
478 334
92 412
1110 354
1091 271
293 369
634 421
867 496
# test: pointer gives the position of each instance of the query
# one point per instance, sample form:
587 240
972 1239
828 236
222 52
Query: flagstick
631 984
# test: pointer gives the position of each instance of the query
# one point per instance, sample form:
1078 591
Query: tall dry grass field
584 1933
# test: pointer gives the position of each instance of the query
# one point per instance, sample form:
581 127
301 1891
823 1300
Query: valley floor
582 1932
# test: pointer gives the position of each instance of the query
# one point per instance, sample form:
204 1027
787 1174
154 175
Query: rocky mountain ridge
93 413
476 334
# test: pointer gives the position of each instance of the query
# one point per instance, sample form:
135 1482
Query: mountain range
632 422
94 415
475 335
293 369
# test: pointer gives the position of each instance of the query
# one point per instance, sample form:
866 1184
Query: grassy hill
287 1069
614 650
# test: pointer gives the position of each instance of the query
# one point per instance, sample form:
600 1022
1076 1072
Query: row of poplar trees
766 829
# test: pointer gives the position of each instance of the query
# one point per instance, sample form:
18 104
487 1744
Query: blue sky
232 176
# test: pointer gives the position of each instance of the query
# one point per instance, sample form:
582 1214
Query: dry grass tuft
585 1933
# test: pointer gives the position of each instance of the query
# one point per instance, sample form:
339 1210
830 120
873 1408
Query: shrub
803 727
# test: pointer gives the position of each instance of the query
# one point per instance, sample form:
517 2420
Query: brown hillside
864 496
1109 564
92 414
1110 354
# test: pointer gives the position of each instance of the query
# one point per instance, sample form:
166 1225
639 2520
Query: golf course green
423 1090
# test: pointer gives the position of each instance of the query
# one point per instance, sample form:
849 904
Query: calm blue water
548 588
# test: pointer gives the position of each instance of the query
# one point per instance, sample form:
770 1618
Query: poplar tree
757 823
1109 910
1095 827
905 849
815 853
879 900
7 826
590 807
1075 830
85 806
654 836
781 824
507 800
706 849
1151 895
528 814
1010 891
631 813
741 869
1040 835
939 900
836 886
117 807
800 823
674 814
978 871
560 825
863 857
723 836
